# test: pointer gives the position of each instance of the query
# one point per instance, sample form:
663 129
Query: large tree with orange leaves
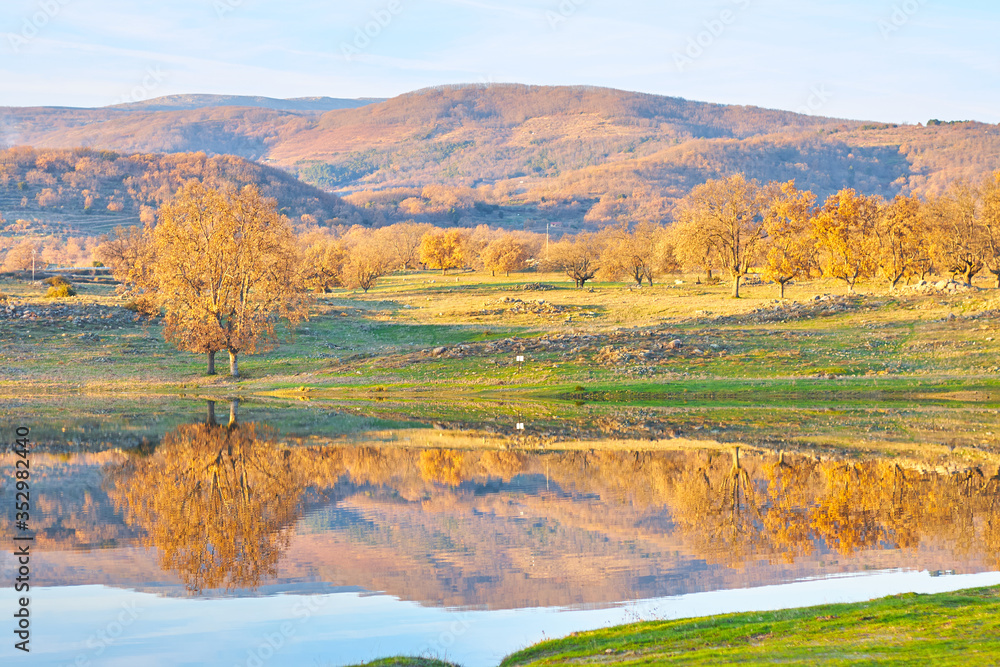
222 266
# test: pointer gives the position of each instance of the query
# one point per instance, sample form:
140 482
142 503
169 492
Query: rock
438 351
674 344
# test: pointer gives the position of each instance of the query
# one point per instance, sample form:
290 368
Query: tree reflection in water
217 501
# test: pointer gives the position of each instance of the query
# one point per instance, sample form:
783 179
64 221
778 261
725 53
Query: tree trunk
781 289
211 363
234 407
233 366
997 274
736 286
211 413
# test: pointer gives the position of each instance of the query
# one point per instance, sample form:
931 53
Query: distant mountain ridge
468 154
200 101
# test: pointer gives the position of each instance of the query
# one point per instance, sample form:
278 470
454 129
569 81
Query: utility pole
546 240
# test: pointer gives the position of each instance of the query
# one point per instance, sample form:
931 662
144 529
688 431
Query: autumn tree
989 214
845 235
899 239
577 257
639 253
442 249
726 215
474 242
25 254
369 257
791 250
323 259
223 269
404 240
958 239
505 254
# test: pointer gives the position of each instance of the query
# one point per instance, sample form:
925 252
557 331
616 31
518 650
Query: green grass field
876 371
959 628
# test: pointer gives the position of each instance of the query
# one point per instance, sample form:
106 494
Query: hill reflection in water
231 507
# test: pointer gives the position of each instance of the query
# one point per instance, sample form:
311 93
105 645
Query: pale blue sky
887 60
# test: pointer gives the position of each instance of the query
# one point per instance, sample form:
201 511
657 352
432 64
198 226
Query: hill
174 102
522 156
88 192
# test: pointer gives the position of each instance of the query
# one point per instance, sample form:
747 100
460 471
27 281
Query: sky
882 60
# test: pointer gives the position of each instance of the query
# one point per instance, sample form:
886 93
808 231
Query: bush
60 291
98 263
57 281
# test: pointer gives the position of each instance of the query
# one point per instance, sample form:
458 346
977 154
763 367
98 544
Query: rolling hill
88 192
522 156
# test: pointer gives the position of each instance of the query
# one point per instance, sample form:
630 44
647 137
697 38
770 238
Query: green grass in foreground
962 627
958 628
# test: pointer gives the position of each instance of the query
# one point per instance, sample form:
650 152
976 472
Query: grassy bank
958 628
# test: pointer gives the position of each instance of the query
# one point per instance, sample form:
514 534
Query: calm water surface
236 543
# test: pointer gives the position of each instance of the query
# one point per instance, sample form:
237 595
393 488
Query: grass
960 628
957 628
892 370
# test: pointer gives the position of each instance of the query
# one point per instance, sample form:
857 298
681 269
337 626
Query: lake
196 533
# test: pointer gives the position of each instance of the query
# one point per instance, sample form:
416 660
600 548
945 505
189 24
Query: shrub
60 291
57 281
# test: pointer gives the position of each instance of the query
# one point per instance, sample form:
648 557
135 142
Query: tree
323 259
23 256
638 254
404 239
474 242
989 213
727 216
442 249
959 241
223 269
899 239
578 257
369 258
845 235
505 254
791 250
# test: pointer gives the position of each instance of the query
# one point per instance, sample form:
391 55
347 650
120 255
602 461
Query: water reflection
218 502
237 506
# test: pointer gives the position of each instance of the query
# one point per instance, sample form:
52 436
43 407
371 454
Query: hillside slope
581 155
89 192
